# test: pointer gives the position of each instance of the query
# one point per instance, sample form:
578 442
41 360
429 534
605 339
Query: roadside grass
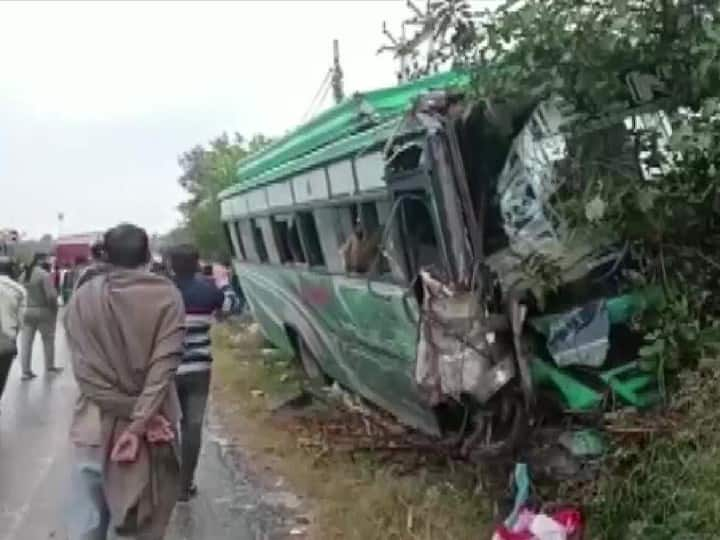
352 495
660 485
666 486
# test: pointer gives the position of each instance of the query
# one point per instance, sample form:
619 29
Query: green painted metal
356 144
364 340
575 395
362 121
633 385
620 308
627 382
365 336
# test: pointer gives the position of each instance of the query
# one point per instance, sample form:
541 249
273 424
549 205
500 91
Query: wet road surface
34 468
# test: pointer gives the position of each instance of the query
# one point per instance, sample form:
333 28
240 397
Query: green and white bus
394 243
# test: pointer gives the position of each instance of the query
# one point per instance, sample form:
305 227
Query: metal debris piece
585 443
459 351
579 336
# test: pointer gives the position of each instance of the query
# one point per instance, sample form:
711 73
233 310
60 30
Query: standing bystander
12 308
203 300
125 332
40 315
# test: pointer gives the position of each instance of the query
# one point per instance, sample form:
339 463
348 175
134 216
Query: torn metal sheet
529 179
458 353
577 337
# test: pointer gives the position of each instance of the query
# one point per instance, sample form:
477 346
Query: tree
581 52
206 171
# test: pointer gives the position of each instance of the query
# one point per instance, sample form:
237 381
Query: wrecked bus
406 244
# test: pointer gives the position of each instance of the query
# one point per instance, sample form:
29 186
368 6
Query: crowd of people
138 332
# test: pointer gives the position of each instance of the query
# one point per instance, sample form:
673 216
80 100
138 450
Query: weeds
665 488
355 496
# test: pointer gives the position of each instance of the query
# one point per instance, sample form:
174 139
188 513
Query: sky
98 99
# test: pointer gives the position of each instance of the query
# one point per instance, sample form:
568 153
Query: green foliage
206 172
665 488
581 53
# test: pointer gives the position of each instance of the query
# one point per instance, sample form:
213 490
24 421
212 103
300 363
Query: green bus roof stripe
346 128
352 145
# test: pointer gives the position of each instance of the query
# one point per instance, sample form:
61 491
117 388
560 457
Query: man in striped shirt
203 302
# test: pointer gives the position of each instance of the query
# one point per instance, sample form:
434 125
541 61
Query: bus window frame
310 206
300 216
421 179
236 237
228 227
255 227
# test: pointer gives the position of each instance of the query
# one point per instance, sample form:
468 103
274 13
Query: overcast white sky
97 99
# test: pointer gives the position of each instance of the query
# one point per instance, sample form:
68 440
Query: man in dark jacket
203 301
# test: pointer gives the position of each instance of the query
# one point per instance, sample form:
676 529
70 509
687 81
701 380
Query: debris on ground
564 457
524 523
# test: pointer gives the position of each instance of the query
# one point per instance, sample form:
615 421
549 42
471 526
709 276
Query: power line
323 89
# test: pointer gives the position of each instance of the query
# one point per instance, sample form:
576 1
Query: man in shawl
125 330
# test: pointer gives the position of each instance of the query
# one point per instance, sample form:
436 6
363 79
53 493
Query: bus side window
281 235
330 225
240 243
260 248
310 239
361 249
422 248
369 218
246 236
229 239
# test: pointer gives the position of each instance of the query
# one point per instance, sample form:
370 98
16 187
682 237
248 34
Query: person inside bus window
361 249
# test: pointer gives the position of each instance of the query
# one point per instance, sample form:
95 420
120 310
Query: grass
354 496
658 486
666 487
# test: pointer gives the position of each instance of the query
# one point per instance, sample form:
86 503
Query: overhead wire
323 89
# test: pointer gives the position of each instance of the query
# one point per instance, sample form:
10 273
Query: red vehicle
70 248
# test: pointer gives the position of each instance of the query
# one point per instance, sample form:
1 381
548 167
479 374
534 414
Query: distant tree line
206 171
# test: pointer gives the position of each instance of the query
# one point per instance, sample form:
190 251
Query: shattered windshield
550 191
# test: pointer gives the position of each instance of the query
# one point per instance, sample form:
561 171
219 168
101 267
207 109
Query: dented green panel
364 336
628 383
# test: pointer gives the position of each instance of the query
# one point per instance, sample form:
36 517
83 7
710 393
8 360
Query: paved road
34 419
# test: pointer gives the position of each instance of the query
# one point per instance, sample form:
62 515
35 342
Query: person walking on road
12 309
125 331
40 315
203 300
71 278
96 265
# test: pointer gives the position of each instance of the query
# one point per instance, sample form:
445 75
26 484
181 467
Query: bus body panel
364 340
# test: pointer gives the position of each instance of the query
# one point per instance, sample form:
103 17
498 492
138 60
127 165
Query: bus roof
358 123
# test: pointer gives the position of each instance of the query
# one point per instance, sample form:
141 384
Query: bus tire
310 365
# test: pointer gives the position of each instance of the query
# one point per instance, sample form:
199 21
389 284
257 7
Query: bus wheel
310 366
498 431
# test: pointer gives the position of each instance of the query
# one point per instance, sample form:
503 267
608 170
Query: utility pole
337 74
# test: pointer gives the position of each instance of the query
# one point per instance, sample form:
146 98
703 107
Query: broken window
361 248
259 241
412 243
229 240
310 239
281 233
332 234
422 248
240 242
